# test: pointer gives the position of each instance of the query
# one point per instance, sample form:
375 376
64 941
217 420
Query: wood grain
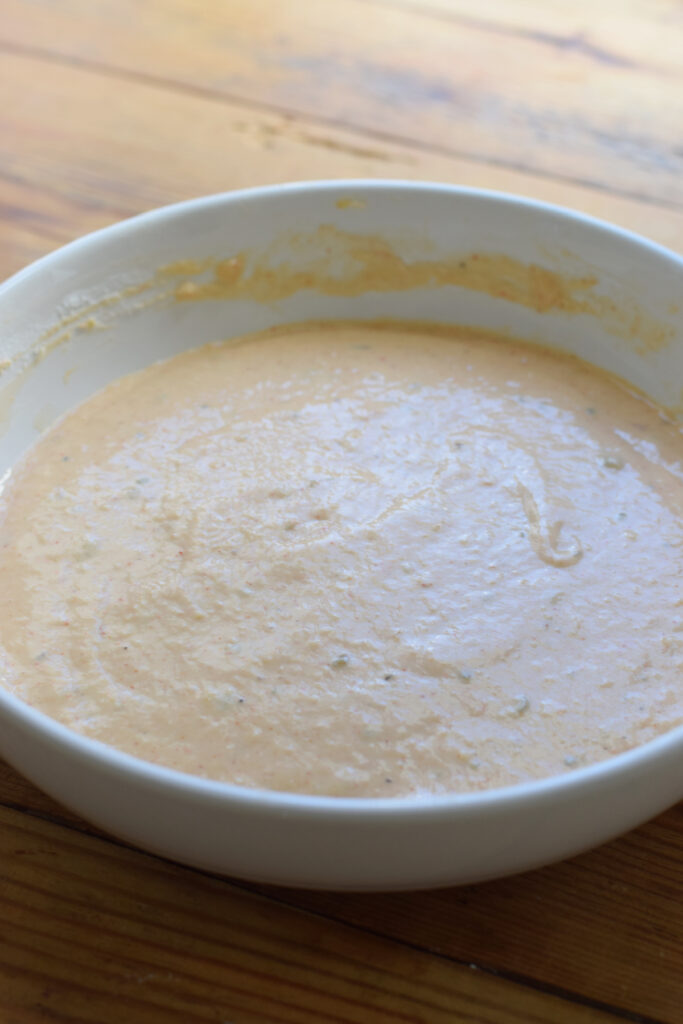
154 942
576 113
95 149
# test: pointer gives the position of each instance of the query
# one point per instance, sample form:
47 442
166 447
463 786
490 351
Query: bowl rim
169 211
115 761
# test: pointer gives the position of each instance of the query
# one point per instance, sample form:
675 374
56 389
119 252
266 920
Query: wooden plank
94 932
458 87
96 148
551 927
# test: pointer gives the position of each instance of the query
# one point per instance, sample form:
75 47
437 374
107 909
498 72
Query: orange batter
352 560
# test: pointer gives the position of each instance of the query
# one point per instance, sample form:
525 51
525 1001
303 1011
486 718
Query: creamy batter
352 560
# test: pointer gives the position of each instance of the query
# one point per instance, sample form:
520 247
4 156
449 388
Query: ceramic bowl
136 292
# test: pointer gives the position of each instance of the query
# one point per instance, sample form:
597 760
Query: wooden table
109 107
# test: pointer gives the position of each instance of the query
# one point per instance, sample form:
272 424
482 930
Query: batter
352 560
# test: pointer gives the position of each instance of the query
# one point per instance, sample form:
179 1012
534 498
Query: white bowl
99 308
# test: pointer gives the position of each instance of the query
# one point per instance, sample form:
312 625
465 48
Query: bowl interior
216 268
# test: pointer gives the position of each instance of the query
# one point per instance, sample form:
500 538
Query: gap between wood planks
557 27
